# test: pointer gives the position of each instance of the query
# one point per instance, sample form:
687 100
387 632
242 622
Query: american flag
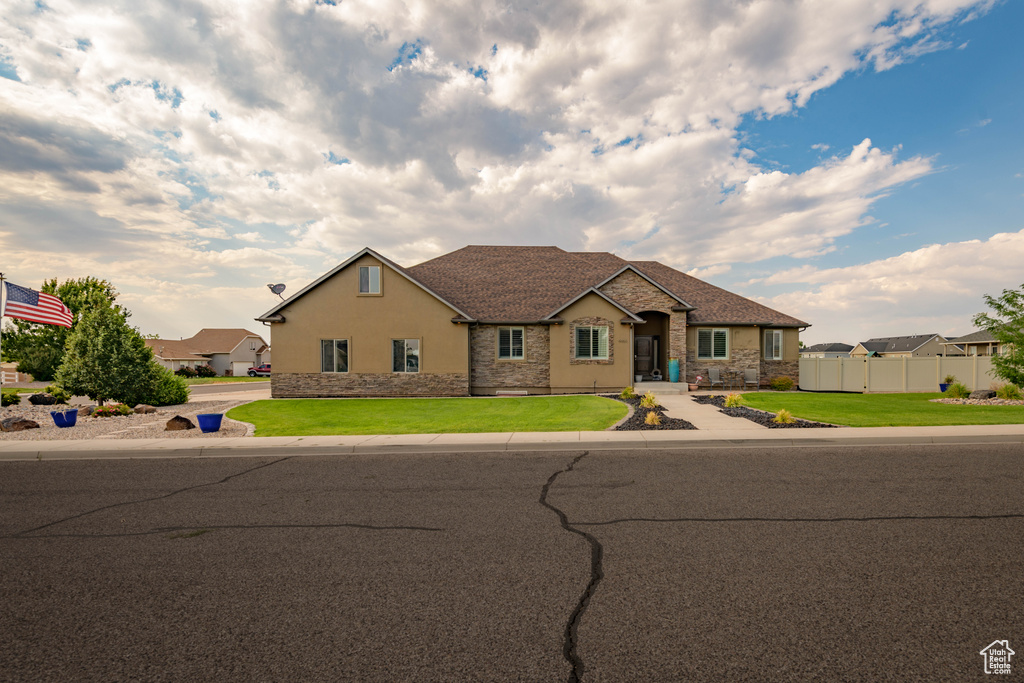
28 304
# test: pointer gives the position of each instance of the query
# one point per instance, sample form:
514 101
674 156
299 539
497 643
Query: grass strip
882 410
325 417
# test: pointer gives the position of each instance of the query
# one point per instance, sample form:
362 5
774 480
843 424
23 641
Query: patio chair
715 377
750 378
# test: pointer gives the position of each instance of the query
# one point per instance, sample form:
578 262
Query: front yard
324 417
882 410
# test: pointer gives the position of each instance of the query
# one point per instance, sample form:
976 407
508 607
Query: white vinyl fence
893 374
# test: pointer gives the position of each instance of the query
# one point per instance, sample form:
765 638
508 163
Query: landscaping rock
177 423
144 409
85 411
982 394
42 400
761 417
17 424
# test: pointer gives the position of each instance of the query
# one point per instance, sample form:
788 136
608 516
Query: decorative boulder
178 422
143 409
983 394
17 424
42 400
86 411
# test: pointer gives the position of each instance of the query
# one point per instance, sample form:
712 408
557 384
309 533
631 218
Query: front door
644 352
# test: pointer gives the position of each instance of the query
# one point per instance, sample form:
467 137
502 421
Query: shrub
957 390
205 371
10 398
781 383
649 401
733 401
170 390
111 410
949 379
652 418
1009 392
628 392
187 372
58 393
784 417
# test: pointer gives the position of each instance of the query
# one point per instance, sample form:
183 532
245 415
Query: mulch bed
761 417
635 422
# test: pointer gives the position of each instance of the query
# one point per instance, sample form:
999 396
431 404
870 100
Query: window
405 355
510 343
369 279
712 344
592 342
334 355
773 344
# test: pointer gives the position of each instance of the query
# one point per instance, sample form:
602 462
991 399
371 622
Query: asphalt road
228 387
852 564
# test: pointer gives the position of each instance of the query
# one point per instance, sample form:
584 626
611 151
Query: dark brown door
644 355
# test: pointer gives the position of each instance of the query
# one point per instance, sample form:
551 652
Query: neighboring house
539 320
980 343
832 350
230 352
912 346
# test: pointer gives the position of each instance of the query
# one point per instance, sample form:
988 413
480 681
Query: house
980 343
488 320
230 352
912 346
830 350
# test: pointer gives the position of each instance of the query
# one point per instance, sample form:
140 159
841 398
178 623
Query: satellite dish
277 289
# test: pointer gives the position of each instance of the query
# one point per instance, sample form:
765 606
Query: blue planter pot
673 369
68 418
943 387
210 422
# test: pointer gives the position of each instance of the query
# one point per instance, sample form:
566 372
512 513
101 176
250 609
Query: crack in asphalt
571 638
147 500
212 527
825 520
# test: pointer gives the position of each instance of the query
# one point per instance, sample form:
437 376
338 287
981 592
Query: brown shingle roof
218 340
503 283
173 349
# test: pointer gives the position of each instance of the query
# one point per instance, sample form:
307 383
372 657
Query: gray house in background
980 343
912 346
830 350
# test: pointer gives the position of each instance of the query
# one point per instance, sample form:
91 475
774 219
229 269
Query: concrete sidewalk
509 441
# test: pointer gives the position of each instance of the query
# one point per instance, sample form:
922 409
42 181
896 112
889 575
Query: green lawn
882 410
225 380
322 417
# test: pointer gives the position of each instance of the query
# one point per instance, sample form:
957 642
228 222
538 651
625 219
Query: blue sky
856 165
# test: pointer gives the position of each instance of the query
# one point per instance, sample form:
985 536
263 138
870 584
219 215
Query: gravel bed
977 402
635 422
122 427
761 417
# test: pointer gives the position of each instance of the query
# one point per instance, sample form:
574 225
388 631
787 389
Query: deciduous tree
1006 323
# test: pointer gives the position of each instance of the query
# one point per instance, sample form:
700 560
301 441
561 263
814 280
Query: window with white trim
369 279
773 344
592 343
712 344
510 343
334 355
405 355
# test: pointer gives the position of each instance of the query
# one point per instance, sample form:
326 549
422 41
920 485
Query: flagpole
3 294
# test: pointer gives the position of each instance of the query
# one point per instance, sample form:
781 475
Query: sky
857 164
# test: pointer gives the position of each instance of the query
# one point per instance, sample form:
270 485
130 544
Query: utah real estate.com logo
997 657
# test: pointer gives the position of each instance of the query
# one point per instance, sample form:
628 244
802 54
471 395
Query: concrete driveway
854 563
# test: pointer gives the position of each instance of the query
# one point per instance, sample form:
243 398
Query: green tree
37 348
1006 323
106 359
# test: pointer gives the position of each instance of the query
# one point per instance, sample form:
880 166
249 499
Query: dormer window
369 279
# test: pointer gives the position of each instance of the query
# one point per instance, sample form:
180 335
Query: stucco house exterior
488 320
229 351
830 350
980 343
910 346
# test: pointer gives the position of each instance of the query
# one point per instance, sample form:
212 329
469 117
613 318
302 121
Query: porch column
677 341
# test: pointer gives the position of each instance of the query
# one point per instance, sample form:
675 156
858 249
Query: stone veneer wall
770 369
591 322
337 384
533 372
740 360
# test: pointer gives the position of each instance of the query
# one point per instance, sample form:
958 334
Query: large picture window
712 344
773 344
592 343
334 355
405 355
510 343
369 279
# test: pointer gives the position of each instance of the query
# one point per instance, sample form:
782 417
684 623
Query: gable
637 293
